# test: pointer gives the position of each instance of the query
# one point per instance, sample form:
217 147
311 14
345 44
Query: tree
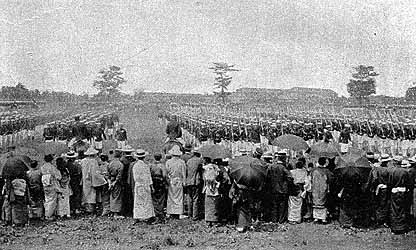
138 94
222 79
411 93
109 82
363 83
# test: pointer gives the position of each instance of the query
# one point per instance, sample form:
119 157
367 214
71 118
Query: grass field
145 131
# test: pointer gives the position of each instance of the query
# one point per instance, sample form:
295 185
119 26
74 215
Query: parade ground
145 131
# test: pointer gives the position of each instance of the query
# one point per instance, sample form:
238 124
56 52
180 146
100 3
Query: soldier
121 136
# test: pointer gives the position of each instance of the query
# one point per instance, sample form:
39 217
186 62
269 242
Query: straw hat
385 157
91 151
140 153
175 151
405 164
71 154
127 149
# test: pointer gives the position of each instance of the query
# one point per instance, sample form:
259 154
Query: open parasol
215 151
56 148
292 142
325 149
16 167
354 158
248 171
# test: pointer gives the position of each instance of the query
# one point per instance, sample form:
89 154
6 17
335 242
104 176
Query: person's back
175 168
193 171
320 185
277 178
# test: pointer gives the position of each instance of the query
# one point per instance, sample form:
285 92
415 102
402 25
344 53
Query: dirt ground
145 131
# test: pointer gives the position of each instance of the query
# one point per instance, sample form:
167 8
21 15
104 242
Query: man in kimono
143 189
176 173
115 169
75 173
158 172
378 185
194 184
89 199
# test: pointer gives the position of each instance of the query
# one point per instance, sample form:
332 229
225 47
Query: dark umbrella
16 167
215 151
354 158
248 171
291 142
325 149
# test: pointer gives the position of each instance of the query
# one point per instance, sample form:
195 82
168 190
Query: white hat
405 164
128 148
71 154
140 153
398 158
175 151
91 151
385 157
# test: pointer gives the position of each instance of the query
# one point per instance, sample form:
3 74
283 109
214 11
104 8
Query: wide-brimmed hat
370 155
175 151
140 153
91 151
188 148
127 149
398 158
258 151
385 158
405 164
71 154
268 155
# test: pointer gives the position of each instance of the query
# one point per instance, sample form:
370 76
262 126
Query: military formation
384 137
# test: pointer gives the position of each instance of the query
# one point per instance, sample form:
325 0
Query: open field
107 233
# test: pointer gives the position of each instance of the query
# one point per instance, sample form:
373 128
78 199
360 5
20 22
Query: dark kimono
399 182
159 195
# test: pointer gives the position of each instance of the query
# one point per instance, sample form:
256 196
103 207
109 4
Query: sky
168 45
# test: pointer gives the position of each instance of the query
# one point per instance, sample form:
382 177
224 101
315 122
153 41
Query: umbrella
56 148
16 167
215 151
248 171
325 149
355 158
292 142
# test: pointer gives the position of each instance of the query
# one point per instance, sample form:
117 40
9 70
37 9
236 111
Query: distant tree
362 83
222 79
109 82
138 94
411 93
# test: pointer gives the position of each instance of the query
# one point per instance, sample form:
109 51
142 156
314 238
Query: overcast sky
168 45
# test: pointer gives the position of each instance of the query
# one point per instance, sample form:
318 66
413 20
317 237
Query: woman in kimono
296 198
34 176
51 187
320 178
16 195
211 190
143 204
63 209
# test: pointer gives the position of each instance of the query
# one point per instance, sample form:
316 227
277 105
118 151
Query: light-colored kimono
143 204
89 195
50 181
176 172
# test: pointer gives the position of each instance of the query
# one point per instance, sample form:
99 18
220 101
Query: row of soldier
376 138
